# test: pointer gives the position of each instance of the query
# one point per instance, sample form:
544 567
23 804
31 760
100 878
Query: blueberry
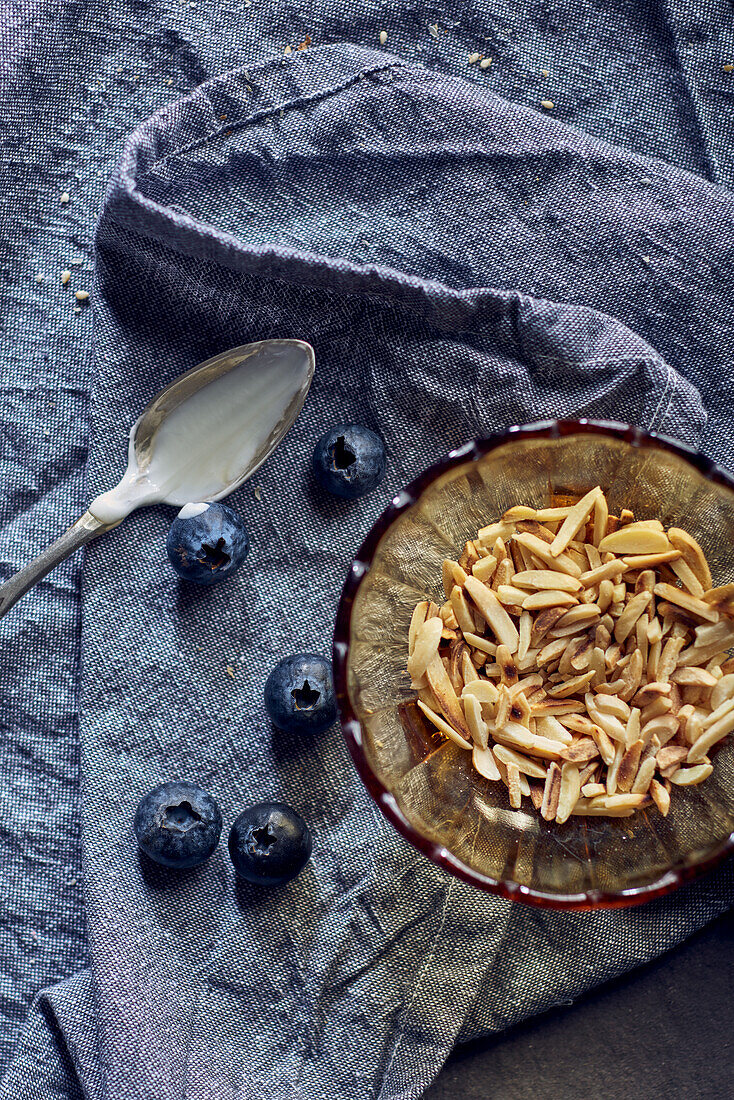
207 542
349 460
299 694
269 844
178 824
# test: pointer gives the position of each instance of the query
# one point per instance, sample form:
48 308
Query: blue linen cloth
357 200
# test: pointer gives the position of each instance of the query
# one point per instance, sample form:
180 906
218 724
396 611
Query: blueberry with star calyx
207 543
349 460
269 844
299 694
178 824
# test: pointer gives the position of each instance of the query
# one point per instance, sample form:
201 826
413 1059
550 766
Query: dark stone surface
663 1031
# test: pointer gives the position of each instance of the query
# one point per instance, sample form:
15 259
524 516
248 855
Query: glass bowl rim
683 870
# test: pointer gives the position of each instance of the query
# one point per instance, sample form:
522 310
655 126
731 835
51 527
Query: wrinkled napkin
366 204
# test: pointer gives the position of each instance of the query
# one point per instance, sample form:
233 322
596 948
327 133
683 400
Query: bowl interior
447 806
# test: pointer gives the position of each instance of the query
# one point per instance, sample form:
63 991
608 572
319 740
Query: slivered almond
609 571
601 516
660 797
519 511
452 574
551 728
708 645
523 763
541 550
695 677
581 614
445 695
545 598
626 622
484 569
525 632
628 766
723 691
689 603
462 611
574 521
635 540
546 578
612 704
644 776
607 748
477 726
444 726
588 809
671 754
536 795
648 561
489 535
427 640
633 726
618 801
508 668
483 644
581 751
483 690
516 736
692 553
569 792
551 793
484 762
468 671
589 790
553 514
510 596
669 658
499 621
504 704
722 597
544 622
710 736
688 578
691 777
416 621
570 687
546 707
513 787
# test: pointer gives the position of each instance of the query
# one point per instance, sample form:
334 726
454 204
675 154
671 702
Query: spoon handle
82 532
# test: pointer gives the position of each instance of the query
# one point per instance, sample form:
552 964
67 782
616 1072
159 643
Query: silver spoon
197 440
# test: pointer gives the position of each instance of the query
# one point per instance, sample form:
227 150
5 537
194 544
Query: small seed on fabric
81 295
646 259
433 30
64 198
485 63
39 277
547 103
544 72
728 68
383 37
287 51
473 58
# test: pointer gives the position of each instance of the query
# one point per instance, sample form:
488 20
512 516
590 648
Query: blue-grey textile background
332 171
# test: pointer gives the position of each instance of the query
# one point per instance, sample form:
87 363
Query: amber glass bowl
426 786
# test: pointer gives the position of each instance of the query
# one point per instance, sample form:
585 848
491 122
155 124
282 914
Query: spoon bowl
198 439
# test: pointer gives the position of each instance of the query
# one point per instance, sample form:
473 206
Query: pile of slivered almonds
580 657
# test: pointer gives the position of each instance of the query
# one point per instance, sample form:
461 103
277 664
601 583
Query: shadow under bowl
426 786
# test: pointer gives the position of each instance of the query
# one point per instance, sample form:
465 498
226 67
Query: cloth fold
392 216
356 979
